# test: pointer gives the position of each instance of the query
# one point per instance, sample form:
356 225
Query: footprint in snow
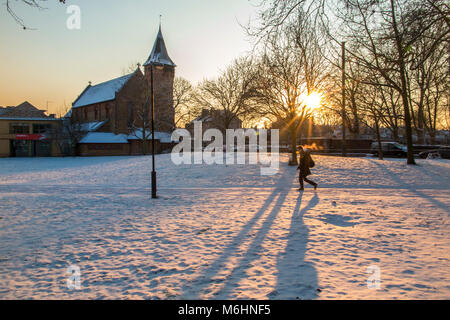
337 220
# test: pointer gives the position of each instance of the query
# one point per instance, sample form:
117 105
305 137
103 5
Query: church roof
104 137
102 92
159 55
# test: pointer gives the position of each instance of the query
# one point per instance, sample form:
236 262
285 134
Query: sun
314 100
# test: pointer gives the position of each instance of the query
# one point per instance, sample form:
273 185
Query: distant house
214 119
26 131
112 114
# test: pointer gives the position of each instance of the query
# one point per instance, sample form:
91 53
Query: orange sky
52 64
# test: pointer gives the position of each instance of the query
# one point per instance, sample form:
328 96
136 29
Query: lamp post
154 196
344 116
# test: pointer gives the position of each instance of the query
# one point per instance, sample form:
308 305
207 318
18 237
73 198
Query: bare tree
68 132
141 126
231 93
353 88
380 31
428 82
382 35
131 67
184 102
371 103
32 3
291 69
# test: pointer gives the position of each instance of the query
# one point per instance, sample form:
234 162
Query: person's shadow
296 278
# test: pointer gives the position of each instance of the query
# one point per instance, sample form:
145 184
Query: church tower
162 68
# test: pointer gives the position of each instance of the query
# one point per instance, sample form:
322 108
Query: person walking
306 163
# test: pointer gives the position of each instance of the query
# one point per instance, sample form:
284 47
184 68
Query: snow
104 137
91 126
105 91
163 137
109 137
223 232
159 55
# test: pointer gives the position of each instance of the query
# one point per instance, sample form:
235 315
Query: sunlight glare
314 100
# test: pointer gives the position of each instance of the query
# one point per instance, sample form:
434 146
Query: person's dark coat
304 166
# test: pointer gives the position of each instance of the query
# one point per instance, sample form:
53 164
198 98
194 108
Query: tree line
394 75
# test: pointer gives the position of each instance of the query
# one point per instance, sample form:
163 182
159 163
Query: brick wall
105 110
132 94
116 111
103 149
163 91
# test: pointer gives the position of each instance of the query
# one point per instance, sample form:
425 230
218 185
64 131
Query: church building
114 117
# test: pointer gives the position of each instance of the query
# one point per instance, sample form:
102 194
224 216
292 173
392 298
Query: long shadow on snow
254 249
293 271
291 265
195 289
410 187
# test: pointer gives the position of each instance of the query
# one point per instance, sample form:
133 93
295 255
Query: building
115 116
214 119
26 131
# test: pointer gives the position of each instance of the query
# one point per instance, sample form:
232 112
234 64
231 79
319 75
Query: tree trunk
380 147
432 137
404 88
395 134
409 140
293 132
420 121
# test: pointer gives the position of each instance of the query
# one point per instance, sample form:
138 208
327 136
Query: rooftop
24 111
159 55
105 91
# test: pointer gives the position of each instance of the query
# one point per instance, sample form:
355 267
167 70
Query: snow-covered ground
223 232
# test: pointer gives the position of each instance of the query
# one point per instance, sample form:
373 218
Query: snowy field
223 232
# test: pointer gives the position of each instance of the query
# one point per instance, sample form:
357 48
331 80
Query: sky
51 65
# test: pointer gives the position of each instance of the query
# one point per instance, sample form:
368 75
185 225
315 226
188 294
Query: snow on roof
204 119
159 53
105 91
104 137
91 126
163 137
29 119
109 137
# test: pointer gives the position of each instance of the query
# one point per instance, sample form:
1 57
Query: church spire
159 55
